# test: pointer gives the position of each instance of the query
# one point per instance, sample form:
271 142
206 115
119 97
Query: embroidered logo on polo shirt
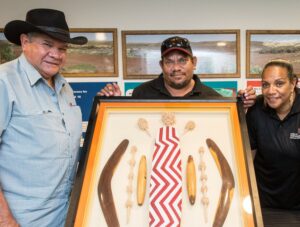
295 136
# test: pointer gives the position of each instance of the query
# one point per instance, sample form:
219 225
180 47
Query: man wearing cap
40 123
177 78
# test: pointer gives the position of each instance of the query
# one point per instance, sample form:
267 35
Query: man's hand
110 90
6 217
248 97
8 222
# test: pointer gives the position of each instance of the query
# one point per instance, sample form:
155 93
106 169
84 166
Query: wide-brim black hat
48 21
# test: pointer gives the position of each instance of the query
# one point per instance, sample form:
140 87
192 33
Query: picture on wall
8 50
218 52
132 144
97 58
224 88
266 45
256 84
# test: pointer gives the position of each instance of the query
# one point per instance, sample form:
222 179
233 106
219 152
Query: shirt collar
160 85
198 85
34 76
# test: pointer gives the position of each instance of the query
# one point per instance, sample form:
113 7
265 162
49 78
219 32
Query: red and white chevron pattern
166 180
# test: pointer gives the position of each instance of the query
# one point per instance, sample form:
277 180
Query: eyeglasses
170 63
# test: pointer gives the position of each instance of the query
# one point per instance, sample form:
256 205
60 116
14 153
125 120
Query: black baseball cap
176 43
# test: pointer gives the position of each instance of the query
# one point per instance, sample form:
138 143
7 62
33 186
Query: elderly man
177 78
40 124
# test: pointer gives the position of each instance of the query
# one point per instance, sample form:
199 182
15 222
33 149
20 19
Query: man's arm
6 217
110 90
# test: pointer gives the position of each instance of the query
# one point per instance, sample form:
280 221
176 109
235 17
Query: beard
178 85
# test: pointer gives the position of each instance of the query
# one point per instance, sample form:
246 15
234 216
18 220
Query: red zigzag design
166 180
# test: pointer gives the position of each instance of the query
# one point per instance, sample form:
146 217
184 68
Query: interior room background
164 15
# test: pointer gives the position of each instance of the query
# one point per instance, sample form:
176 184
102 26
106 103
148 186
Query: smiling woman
278 86
274 130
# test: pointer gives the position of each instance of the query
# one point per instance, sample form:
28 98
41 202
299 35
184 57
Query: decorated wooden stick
142 181
129 202
204 189
191 179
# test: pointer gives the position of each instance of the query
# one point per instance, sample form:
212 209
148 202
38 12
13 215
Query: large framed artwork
263 46
185 161
97 58
218 52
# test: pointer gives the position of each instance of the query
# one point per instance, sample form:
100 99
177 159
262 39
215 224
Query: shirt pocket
38 131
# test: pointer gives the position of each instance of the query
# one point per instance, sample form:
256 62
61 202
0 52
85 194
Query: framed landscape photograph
123 133
218 52
8 50
266 45
97 58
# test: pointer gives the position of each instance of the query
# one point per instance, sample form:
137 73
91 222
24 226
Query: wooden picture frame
97 58
263 46
8 50
116 119
218 52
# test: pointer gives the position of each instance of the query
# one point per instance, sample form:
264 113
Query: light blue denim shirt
40 131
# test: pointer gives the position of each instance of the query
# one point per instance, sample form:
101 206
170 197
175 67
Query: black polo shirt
277 161
155 89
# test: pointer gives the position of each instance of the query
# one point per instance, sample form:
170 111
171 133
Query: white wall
166 15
